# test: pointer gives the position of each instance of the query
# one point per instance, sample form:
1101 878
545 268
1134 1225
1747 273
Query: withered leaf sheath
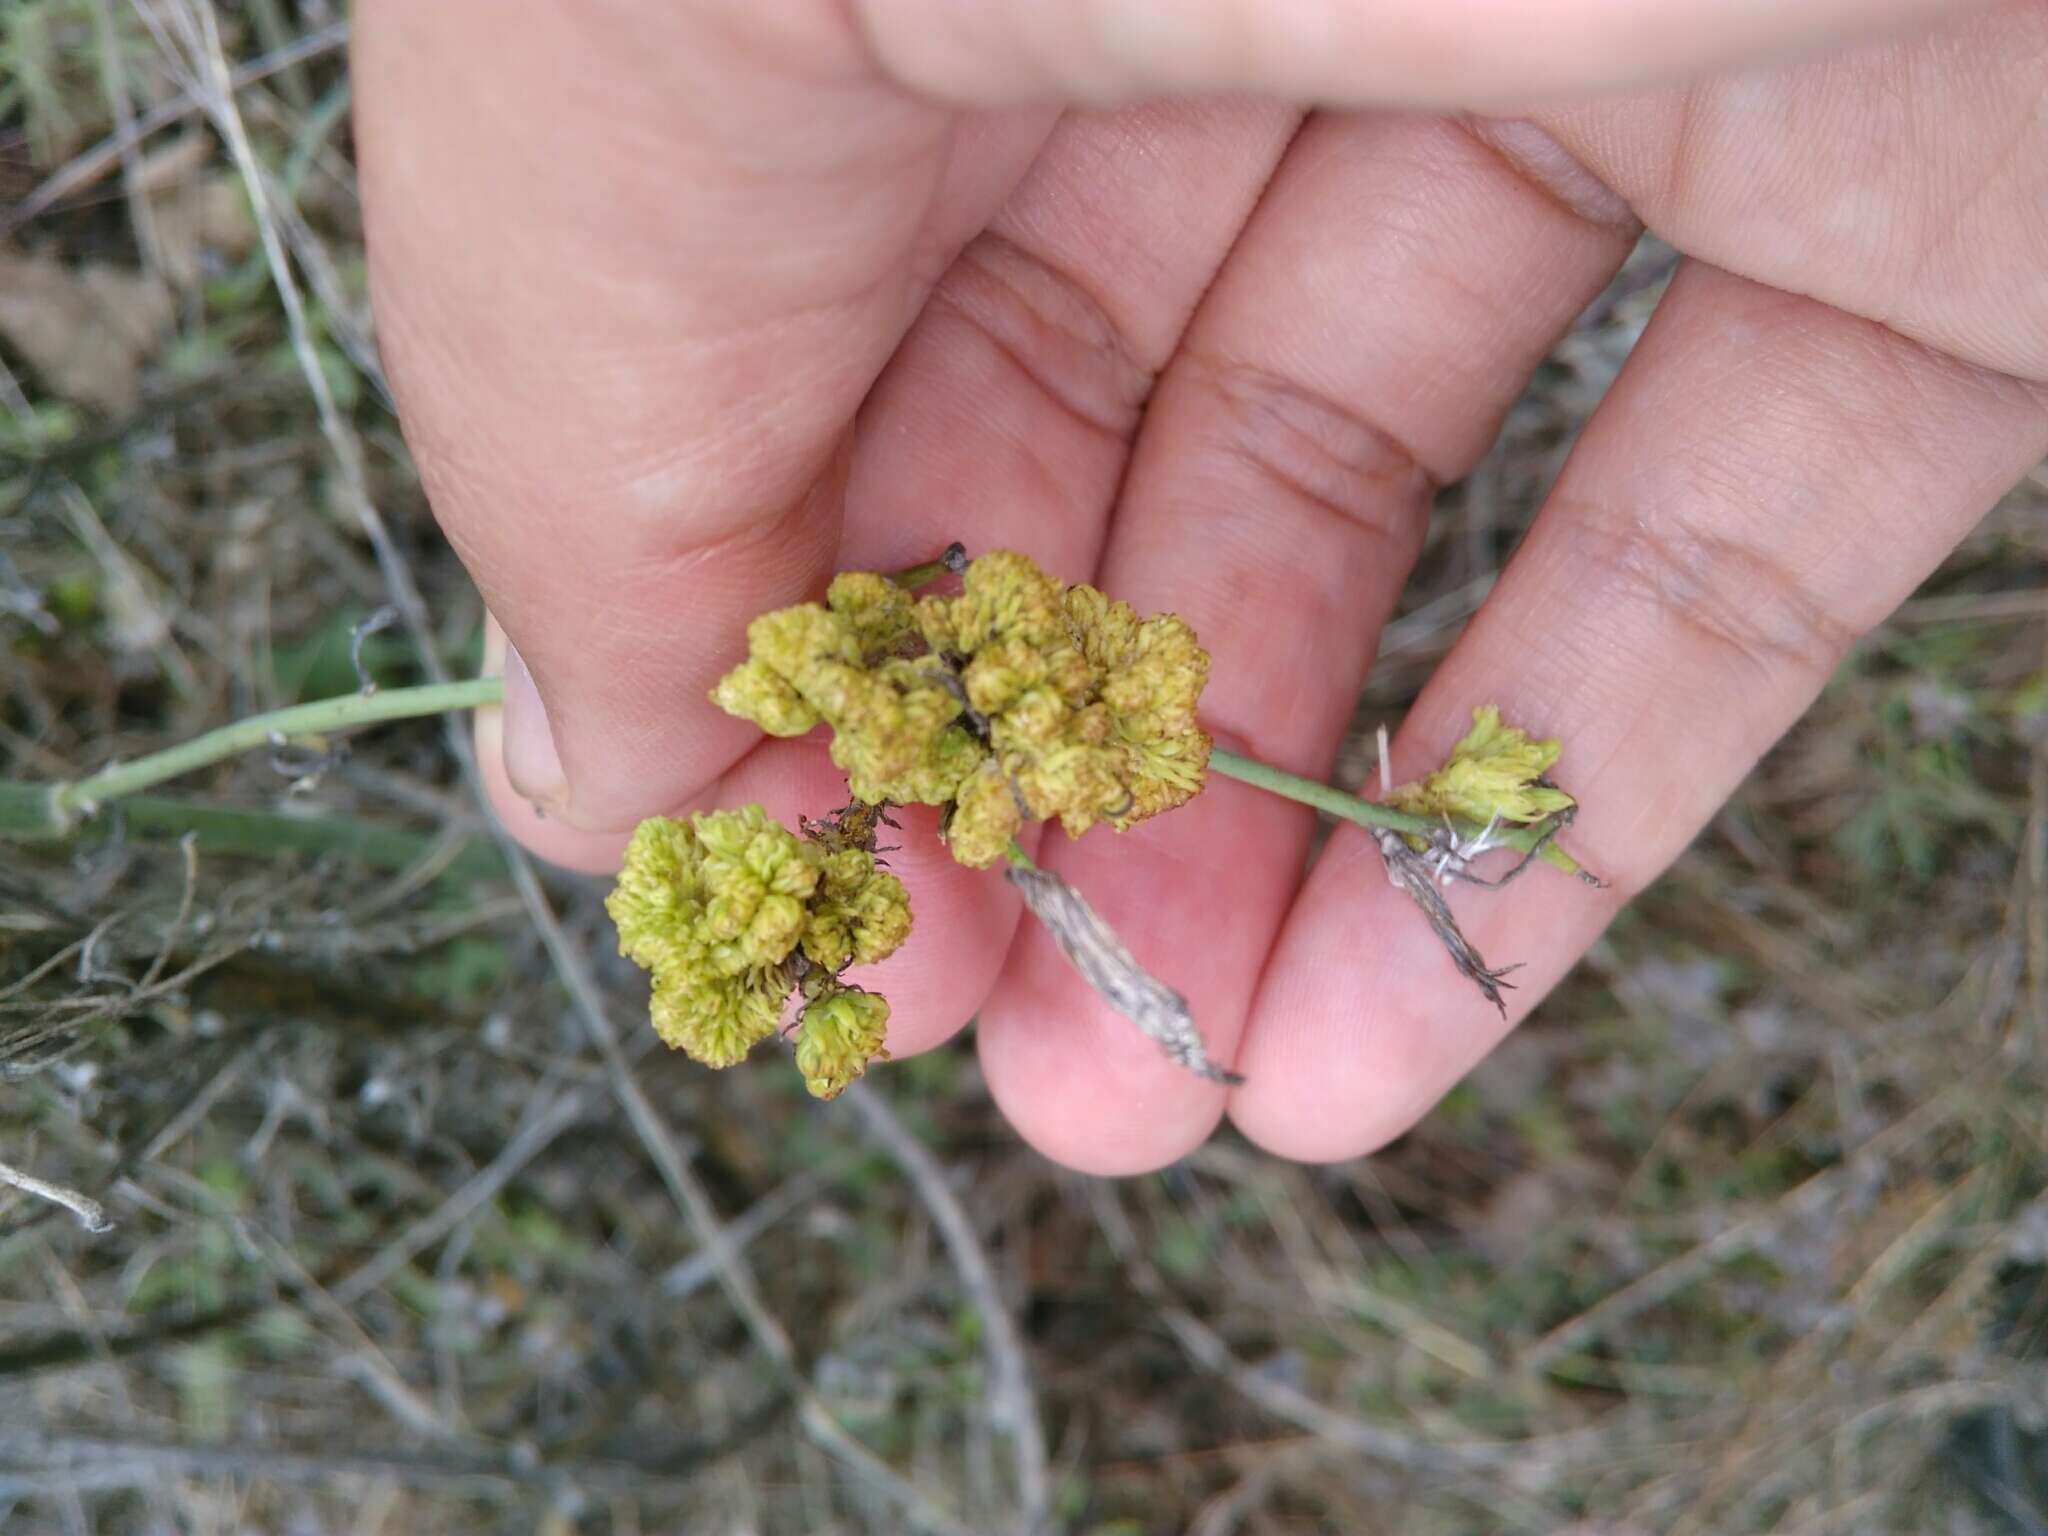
1093 948
1410 871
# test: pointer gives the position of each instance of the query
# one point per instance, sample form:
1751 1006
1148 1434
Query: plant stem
1369 813
950 563
226 829
52 810
1324 797
1017 857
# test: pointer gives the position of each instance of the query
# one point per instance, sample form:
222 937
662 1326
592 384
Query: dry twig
90 1213
1014 1408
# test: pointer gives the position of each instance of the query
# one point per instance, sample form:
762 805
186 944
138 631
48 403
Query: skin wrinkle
1115 341
1573 189
938 392
1483 313
1734 597
1737 595
996 279
1256 573
1405 220
1350 451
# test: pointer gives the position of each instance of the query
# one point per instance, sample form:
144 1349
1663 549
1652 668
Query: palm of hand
1215 359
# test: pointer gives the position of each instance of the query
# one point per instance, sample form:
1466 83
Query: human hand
688 306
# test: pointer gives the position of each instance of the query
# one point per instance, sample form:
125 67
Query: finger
635 268
1470 53
1383 309
1767 479
1908 183
1005 420
546 837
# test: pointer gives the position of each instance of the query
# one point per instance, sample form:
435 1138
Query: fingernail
532 764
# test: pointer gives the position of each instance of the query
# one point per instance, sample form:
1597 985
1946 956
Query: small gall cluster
732 911
1020 698
1495 773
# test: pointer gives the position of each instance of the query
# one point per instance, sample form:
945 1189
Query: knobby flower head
852 663
842 1032
1495 772
1019 698
730 910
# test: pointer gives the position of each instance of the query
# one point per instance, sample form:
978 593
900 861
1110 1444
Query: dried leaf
1409 871
198 220
85 329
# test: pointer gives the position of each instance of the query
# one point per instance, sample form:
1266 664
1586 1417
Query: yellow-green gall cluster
730 910
852 662
1495 771
841 1033
1019 698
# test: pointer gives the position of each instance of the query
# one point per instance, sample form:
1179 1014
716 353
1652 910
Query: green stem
1324 797
52 810
951 563
223 829
1017 856
1368 813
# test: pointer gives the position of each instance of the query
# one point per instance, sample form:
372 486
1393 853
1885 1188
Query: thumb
1443 53
634 266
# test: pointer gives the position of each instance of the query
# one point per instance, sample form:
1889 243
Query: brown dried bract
1093 948
1414 873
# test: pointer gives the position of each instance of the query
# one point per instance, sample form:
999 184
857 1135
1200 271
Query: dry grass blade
1740 1237
545 1121
90 1213
1013 1405
88 167
31 1460
1284 1401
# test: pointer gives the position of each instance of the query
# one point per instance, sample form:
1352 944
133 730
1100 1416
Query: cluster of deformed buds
1016 699
733 912
1019 699
1494 774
